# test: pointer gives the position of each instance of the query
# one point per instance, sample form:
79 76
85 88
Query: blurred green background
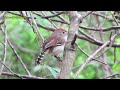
27 45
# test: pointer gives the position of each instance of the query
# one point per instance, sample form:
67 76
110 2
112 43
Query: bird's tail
40 57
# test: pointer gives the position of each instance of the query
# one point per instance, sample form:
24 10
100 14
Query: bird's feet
58 58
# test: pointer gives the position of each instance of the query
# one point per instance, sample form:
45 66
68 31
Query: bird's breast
57 50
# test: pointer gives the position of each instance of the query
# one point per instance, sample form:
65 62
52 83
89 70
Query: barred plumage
40 57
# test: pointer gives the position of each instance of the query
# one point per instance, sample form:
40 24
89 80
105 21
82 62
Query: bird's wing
51 42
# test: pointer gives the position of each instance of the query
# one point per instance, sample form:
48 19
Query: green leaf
37 68
116 68
117 40
53 71
56 69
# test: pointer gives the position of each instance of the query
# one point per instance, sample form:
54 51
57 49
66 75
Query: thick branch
97 42
69 55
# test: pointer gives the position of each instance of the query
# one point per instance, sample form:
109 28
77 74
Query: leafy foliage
25 42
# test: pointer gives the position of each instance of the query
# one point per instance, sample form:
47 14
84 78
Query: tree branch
113 75
14 74
69 55
92 56
97 42
5 45
23 76
16 54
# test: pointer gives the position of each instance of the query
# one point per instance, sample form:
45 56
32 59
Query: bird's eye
63 32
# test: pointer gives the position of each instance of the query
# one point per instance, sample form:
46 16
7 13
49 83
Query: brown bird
54 44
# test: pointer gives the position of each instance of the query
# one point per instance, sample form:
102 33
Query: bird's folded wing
53 43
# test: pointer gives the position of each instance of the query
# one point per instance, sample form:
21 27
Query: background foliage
27 45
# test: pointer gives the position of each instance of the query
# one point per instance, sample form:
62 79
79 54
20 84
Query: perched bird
54 44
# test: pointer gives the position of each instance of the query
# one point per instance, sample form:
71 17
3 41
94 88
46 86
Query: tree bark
69 54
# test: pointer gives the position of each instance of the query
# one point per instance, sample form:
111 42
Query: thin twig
97 42
115 19
51 16
89 28
92 56
60 17
46 28
46 18
106 49
105 68
115 32
5 45
89 56
103 16
103 29
16 54
1 15
50 20
103 52
24 49
113 75
36 27
22 76
18 14
88 36
10 70
88 13
2 43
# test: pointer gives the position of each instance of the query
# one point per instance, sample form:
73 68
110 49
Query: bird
54 44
